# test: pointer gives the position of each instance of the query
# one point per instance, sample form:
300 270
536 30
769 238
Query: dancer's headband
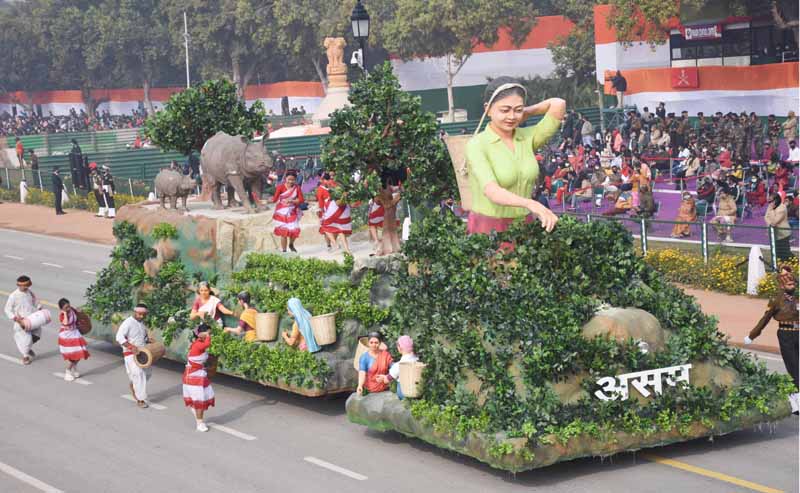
501 88
504 87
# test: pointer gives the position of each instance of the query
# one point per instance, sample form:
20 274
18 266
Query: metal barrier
742 235
38 179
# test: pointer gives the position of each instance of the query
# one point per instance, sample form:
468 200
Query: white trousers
24 339
138 377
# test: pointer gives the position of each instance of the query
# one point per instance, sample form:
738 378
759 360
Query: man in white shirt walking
21 303
132 336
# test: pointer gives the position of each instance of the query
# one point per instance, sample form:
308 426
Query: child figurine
406 348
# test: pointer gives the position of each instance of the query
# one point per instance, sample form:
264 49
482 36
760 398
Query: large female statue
501 162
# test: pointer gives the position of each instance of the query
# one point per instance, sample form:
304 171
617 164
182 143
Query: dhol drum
149 354
36 320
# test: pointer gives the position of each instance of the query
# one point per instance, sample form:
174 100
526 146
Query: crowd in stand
734 164
30 123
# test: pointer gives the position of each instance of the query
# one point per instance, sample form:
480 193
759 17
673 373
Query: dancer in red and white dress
323 196
337 223
197 392
287 213
71 343
375 220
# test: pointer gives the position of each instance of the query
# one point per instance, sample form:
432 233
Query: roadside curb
756 347
38 219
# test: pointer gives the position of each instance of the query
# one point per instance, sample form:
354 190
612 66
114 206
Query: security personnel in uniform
783 308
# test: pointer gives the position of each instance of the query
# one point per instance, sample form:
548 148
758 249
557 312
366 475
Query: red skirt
480 224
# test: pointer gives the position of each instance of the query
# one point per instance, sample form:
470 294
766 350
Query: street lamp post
360 21
186 49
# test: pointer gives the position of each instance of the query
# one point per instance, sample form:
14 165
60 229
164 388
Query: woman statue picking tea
206 304
373 366
501 162
302 336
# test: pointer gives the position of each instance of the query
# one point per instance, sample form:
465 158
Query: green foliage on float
499 328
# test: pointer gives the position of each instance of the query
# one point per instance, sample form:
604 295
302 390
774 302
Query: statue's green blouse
490 160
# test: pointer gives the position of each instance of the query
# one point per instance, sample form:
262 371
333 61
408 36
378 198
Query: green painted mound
547 347
148 266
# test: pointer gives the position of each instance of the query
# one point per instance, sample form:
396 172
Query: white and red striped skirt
287 220
336 219
71 344
376 213
197 390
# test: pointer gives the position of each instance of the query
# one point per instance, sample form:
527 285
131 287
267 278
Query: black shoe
291 247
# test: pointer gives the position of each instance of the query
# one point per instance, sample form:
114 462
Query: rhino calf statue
172 184
234 161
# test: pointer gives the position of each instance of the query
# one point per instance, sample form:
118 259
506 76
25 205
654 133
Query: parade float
538 347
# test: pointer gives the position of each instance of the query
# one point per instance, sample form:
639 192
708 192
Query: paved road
72 437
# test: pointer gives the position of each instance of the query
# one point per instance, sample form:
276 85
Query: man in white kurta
21 303
132 335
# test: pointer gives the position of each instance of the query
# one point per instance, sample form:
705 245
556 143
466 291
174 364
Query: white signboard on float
614 388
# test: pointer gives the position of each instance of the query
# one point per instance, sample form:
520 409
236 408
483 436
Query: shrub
496 327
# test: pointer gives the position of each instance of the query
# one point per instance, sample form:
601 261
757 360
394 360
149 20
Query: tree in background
51 43
385 132
452 29
24 65
232 38
573 56
644 19
135 35
193 116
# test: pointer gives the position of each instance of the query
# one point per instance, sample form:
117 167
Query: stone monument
338 87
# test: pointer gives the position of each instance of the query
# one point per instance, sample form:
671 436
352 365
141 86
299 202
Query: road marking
11 359
12 257
157 407
45 303
91 272
30 480
231 431
335 468
710 474
53 265
78 380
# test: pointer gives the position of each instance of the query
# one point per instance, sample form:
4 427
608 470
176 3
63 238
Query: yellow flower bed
725 272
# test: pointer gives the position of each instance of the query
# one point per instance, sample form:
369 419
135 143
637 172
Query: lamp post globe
360 22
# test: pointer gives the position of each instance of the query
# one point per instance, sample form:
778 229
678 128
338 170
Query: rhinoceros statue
233 161
173 184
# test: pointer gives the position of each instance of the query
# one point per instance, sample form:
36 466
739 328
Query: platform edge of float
385 412
180 345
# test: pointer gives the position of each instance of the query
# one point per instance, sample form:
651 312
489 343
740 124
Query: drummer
21 303
132 336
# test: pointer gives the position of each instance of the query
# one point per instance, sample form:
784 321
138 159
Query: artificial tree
193 116
385 134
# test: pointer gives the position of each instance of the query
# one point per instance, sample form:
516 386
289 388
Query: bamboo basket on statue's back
457 147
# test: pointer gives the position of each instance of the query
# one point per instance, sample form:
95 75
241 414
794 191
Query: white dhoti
24 339
138 377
